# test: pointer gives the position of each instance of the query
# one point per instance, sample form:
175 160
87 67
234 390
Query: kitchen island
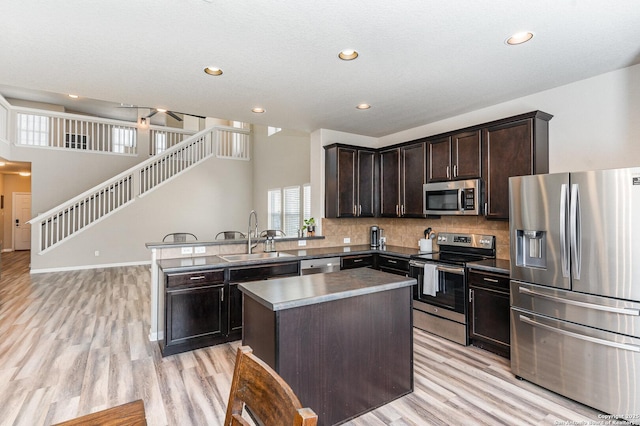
342 340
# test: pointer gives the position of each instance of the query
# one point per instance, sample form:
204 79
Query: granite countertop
500 266
186 264
294 292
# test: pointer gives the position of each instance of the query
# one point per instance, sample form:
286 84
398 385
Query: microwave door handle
461 197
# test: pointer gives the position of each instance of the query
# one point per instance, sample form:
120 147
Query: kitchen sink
253 256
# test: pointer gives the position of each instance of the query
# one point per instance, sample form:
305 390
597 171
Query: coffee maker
374 236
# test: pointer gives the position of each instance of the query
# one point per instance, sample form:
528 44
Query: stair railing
94 205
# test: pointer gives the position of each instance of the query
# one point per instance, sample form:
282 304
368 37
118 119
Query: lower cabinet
393 264
195 311
489 312
204 308
357 261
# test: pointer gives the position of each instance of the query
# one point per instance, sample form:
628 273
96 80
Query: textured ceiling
420 61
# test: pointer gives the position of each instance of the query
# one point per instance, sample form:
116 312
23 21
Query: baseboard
7 250
80 267
156 336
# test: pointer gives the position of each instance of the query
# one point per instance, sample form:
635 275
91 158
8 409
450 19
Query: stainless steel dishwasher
319 266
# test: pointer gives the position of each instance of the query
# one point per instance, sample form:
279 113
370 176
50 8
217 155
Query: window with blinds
33 130
287 207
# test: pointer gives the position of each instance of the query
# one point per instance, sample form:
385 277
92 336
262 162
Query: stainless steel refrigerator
575 286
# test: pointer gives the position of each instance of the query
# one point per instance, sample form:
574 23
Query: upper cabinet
362 182
513 147
455 157
402 174
350 181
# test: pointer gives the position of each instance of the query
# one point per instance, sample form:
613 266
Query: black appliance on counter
440 302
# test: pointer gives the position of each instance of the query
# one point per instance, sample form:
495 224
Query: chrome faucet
249 246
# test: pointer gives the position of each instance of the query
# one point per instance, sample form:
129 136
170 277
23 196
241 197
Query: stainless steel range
440 298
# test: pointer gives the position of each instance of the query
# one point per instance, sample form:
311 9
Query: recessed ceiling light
213 71
2 163
348 55
363 106
519 38
258 110
73 96
24 174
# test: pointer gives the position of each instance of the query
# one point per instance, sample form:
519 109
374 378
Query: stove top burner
459 249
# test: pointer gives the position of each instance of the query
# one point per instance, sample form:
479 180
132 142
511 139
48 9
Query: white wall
197 202
596 123
280 160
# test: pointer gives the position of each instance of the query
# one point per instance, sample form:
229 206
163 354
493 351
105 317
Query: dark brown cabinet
489 311
357 261
393 264
204 308
513 147
455 157
195 311
402 174
350 181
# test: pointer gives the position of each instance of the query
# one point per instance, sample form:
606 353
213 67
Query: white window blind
33 130
123 140
160 141
291 210
274 209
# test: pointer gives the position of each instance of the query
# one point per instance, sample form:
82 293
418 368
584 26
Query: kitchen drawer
392 264
195 278
264 272
357 261
491 280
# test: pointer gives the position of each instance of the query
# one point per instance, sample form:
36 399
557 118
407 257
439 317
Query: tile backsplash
407 232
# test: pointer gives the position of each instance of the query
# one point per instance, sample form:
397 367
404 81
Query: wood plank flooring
73 343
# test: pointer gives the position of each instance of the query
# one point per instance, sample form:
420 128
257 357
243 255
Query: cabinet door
439 163
509 152
346 182
366 183
390 183
357 261
235 311
194 313
466 149
489 319
413 177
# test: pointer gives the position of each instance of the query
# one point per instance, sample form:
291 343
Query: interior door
21 214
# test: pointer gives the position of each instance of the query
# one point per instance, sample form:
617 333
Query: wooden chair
272 233
268 398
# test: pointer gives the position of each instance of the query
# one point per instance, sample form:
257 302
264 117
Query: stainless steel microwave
461 197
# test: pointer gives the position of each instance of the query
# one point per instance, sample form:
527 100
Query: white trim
82 267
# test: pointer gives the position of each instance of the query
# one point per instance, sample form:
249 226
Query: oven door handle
457 271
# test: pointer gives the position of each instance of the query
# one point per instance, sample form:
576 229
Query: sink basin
254 256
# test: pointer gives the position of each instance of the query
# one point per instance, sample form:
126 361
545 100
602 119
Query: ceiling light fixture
213 71
161 110
363 106
519 38
348 54
25 174
258 110
2 163
73 96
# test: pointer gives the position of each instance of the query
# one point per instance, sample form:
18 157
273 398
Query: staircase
68 219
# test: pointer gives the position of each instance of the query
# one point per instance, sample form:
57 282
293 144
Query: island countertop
293 292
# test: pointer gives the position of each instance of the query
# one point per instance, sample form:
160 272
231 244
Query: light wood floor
73 343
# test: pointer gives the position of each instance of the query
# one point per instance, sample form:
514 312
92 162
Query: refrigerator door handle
587 305
564 252
576 237
632 348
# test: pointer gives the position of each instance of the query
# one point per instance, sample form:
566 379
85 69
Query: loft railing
163 138
38 128
68 219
